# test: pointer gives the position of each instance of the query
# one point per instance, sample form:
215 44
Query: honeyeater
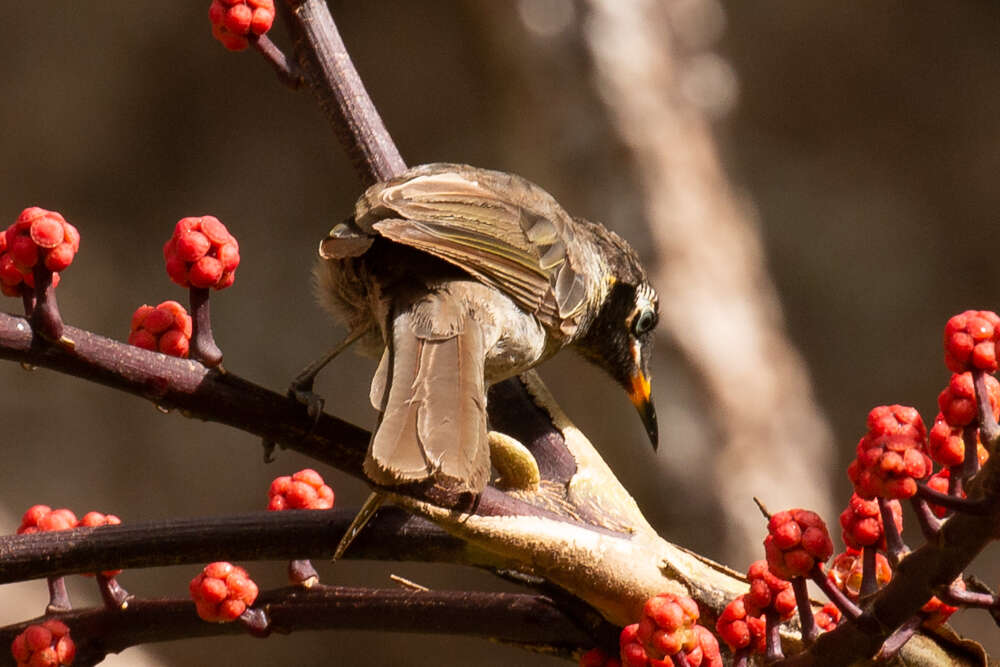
457 278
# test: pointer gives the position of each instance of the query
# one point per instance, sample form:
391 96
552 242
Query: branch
341 94
392 535
529 620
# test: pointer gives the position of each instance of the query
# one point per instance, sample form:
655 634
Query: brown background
864 133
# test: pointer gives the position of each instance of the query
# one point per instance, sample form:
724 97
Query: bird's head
619 338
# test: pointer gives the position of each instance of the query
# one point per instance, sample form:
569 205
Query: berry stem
114 596
869 578
203 347
955 504
286 69
58 596
834 594
894 546
970 465
28 300
965 598
773 636
806 618
680 660
989 430
975 584
892 645
45 317
930 525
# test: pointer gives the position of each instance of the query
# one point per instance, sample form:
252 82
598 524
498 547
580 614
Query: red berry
222 592
192 246
206 272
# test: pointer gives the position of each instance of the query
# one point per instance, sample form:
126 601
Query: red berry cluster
36 236
769 593
222 592
202 253
957 401
45 645
970 340
305 490
891 456
740 629
165 328
796 542
861 522
668 627
233 21
41 518
946 445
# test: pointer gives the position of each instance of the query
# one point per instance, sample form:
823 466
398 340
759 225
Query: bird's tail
431 392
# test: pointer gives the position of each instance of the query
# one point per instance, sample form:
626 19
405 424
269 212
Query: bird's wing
500 228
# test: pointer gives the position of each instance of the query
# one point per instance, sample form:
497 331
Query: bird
457 277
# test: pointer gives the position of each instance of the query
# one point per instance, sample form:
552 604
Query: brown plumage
465 277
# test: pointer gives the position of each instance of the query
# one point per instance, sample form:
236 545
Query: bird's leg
367 511
301 388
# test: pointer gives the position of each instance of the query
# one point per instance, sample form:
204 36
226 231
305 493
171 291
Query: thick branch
392 535
531 620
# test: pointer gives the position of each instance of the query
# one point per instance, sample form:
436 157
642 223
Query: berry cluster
970 340
861 522
202 253
235 21
305 490
47 644
668 627
797 541
742 631
222 592
891 457
36 236
165 328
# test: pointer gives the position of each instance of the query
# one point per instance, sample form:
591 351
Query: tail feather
434 419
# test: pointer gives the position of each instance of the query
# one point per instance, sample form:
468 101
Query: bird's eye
644 321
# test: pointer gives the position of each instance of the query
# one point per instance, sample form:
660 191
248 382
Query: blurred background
812 186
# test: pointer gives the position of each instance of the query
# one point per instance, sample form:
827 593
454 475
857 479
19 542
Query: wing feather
498 227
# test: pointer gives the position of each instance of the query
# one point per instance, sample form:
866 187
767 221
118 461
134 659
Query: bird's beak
639 393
